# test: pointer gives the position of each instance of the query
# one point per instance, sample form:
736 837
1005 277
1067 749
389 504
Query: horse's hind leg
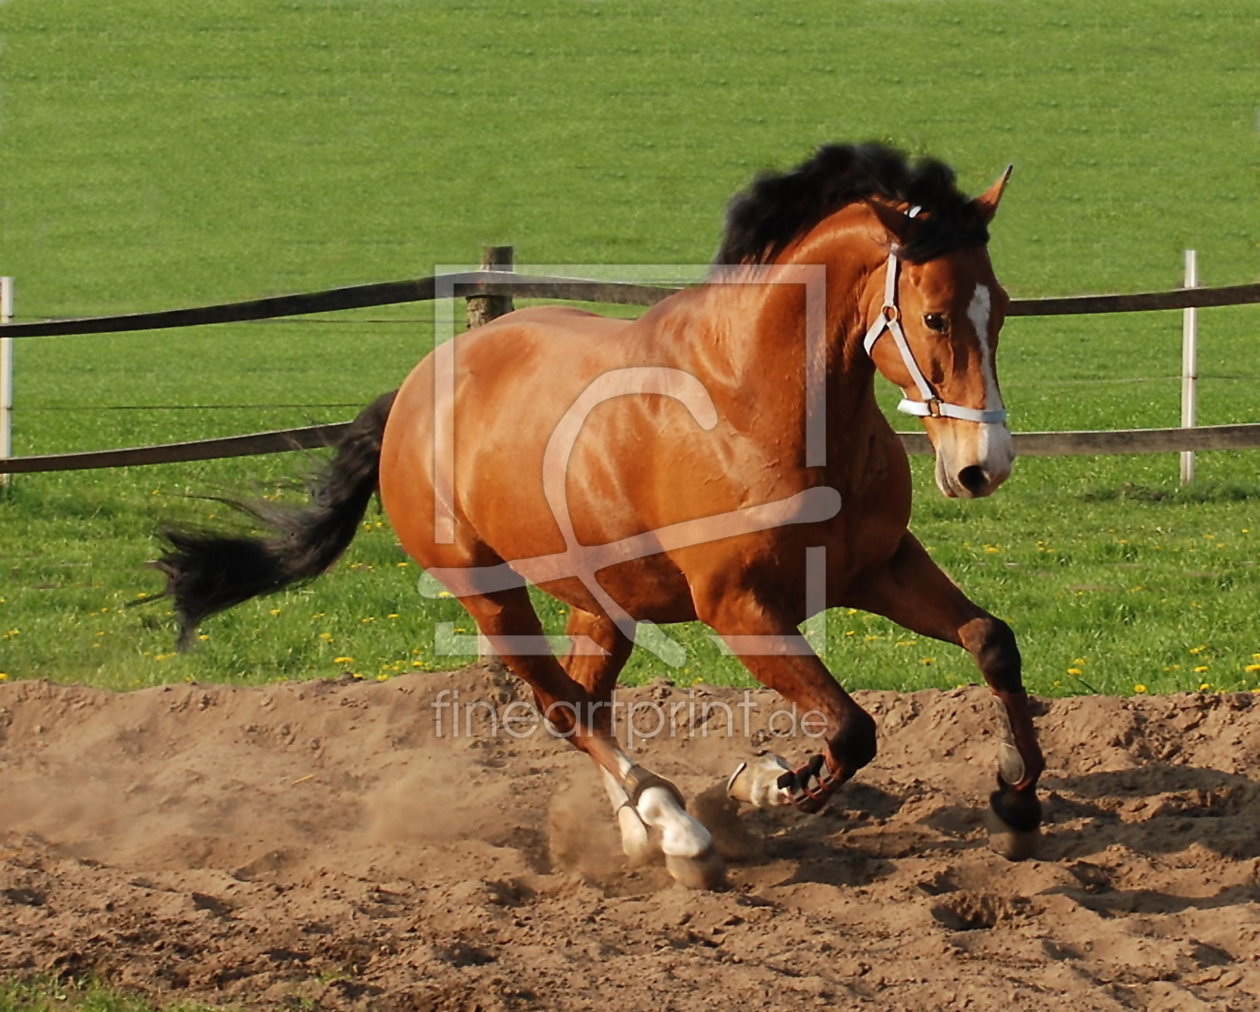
913 591
597 652
578 704
648 821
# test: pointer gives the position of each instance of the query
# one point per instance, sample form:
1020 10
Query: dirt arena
328 845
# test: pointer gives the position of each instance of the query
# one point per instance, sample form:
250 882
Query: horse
721 458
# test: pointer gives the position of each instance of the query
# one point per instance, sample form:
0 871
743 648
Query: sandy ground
327 845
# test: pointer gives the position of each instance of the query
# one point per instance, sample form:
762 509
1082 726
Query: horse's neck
769 336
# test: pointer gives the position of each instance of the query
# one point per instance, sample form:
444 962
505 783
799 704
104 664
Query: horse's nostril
974 479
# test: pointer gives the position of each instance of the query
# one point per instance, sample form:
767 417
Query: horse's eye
937 322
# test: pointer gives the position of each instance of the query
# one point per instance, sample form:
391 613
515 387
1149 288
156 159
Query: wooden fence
489 292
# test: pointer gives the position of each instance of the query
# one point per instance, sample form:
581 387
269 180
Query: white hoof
704 871
757 782
636 843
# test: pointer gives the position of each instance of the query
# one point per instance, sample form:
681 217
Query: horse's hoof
1012 844
706 870
756 782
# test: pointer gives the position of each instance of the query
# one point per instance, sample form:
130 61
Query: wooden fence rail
524 286
1027 444
482 285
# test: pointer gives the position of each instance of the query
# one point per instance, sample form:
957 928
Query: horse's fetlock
854 744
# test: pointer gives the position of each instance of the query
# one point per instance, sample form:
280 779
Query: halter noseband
890 320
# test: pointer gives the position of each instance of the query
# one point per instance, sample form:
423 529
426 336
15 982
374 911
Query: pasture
300 146
163 155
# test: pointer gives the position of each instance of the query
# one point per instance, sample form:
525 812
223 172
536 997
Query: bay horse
694 463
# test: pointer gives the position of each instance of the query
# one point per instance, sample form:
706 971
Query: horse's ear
987 202
895 220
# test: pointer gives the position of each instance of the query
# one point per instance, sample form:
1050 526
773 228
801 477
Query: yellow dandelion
382 677
275 611
402 565
1205 686
928 660
1140 689
3 675
1252 668
1200 669
203 636
445 593
1199 649
392 614
326 637
1074 671
343 660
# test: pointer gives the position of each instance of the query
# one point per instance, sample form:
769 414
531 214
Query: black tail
208 573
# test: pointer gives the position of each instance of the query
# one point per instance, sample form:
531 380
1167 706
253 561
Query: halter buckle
934 407
892 313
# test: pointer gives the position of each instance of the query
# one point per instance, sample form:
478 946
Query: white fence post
1189 365
6 375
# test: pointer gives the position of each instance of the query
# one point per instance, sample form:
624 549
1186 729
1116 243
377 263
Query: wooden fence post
1189 365
6 376
484 308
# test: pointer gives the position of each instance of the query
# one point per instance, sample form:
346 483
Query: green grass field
50 994
159 155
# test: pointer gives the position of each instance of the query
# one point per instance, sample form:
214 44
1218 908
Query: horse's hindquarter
518 387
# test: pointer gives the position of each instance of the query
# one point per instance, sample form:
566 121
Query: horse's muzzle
973 460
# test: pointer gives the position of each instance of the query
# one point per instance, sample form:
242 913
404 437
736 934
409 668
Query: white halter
890 320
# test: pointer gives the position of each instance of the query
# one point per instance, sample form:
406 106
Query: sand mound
366 846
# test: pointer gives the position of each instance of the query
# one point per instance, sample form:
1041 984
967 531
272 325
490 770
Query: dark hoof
1014 823
1012 844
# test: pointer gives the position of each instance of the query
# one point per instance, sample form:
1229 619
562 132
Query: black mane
780 207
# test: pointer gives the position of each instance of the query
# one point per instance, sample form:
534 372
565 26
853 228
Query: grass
49 994
173 154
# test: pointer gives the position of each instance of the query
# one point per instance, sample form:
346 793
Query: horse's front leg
912 590
767 642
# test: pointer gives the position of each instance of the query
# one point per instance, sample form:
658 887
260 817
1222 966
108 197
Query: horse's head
935 335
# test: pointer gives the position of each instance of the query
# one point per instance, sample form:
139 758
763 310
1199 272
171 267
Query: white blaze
984 444
978 314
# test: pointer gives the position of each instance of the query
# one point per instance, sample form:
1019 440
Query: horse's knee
992 643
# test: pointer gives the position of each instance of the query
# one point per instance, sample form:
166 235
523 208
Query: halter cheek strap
890 321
